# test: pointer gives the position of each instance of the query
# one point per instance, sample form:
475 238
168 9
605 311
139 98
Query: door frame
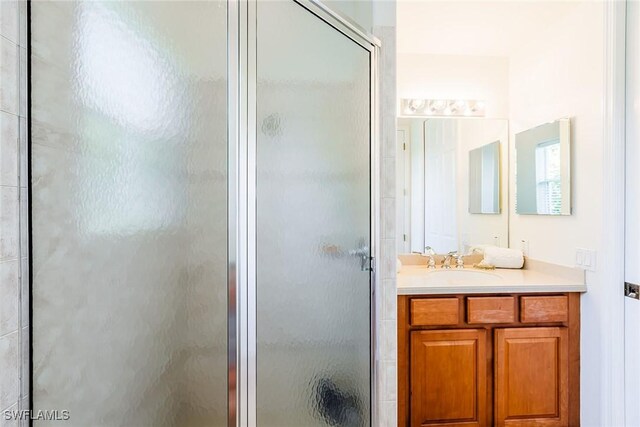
612 370
241 269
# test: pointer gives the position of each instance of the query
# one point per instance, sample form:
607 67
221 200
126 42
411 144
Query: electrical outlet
586 259
524 247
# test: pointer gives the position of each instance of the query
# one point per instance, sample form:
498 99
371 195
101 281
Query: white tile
24 406
388 177
22 22
9 15
389 218
24 292
9 380
389 370
8 76
12 420
388 140
22 82
9 296
388 414
8 223
24 362
8 148
389 300
388 262
388 343
23 219
22 151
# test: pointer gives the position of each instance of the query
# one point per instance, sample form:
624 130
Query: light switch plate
586 259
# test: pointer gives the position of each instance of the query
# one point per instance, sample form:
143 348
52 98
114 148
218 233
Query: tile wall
14 292
386 301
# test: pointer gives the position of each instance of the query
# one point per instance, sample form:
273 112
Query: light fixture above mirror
442 107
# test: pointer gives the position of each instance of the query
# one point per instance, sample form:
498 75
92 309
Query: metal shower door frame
241 240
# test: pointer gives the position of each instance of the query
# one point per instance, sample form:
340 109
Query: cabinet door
448 378
531 377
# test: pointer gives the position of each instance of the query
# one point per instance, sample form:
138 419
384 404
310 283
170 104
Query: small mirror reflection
543 170
484 179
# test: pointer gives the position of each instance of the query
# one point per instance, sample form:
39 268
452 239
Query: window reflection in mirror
543 170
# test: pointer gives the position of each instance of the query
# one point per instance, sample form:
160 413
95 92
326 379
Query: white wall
456 76
488 229
560 74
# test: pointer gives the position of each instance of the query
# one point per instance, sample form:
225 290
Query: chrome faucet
429 252
459 261
446 262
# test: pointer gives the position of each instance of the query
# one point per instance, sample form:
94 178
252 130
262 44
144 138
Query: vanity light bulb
416 104
442 107
438 104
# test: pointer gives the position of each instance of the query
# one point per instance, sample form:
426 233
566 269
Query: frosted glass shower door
313 221
129 212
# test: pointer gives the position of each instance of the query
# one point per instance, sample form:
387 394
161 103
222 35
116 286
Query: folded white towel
477 249
503 257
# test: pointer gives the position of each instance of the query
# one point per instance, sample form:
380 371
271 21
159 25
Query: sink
462 277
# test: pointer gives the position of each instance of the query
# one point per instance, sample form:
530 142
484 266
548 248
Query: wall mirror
455 183
484 179
543 169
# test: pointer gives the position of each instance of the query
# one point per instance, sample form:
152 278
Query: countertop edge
491 289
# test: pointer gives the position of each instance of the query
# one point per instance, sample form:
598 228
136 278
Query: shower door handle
365 257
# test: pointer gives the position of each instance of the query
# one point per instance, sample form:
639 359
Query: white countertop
418 280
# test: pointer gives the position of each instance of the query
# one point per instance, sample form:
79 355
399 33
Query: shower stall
202 211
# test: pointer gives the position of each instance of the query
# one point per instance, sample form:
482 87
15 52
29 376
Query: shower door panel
129 211
313 221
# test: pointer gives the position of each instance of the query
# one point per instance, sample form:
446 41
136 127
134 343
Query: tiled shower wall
14 304
386 300
14 277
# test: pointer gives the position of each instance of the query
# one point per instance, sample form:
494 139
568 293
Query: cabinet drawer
491 310
535 309
434 311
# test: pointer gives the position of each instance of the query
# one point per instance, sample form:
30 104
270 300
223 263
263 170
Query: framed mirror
543 169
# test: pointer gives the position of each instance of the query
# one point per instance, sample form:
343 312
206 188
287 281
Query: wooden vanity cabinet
508 360
448 363
531 376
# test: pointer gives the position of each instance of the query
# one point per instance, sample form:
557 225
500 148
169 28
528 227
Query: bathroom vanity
489 348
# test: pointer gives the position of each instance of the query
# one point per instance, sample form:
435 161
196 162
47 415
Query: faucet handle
459 260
